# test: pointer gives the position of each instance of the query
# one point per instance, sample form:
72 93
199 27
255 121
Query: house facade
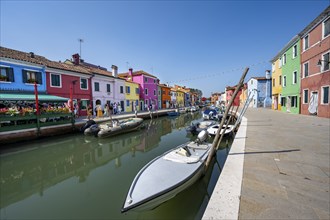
259 88
229 93
165 96
20 71
291 77
148 87
315 71
276 82
69 81
132 95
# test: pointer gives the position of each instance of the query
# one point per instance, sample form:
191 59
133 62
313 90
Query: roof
137 73
315 22
40 60
259 78
32 97
294 40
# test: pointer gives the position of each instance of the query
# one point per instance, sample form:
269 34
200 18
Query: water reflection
76 176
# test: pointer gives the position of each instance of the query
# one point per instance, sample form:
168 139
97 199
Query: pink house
148 87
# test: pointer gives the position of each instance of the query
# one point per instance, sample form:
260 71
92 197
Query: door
288 103
313 103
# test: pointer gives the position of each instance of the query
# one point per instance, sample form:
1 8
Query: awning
31 97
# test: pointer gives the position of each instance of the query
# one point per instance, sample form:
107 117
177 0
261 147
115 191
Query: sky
204 45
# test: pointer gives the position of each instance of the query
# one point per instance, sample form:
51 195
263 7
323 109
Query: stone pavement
285 173
286 166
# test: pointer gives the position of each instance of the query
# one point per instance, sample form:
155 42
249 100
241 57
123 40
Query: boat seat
194 145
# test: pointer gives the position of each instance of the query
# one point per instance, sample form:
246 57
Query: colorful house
165 96
291 77
174 98
315 63
180 95
132 95
22 73
276 82
148 87
229 93
261 89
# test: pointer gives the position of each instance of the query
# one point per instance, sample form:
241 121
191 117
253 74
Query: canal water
79 177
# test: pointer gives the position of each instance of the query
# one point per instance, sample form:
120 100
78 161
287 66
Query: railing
19 122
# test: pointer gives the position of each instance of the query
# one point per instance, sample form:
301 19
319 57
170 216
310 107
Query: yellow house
244 94
180 96
132 94
276 82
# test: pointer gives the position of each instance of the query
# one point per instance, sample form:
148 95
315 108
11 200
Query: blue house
18 74
261 89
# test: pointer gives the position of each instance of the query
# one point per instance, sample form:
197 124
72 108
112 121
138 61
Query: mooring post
217 136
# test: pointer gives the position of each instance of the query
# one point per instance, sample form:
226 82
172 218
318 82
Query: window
284 81
326 28
84 103
306 42
294 77
305 70
137 91
273 67
145 79
128 89
280 80
154 92
55 80
96 86
83 84
280 63
6 74
294 51
31 77
305 96
273 82
127 103
294 101
325 95
108 88
284 59
121 89
325 62
146 91
283 101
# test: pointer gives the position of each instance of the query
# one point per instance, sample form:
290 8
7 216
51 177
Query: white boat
199 126
114 127
212 130
167 175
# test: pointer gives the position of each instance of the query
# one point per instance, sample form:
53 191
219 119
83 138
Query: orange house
166 95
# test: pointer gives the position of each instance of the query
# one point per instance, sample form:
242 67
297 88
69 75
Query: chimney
76 59
130 74
114 71
31 54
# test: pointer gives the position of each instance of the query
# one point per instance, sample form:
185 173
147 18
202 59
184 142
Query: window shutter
11 75
39 78
24 76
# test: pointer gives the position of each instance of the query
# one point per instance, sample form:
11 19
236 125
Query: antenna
80 41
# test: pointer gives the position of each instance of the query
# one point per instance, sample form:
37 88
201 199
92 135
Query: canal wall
8 137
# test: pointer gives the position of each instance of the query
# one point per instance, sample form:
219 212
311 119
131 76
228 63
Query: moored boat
167 175
212 130
199 126
114 127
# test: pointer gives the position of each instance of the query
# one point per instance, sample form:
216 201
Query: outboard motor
95 129
202 136
87 125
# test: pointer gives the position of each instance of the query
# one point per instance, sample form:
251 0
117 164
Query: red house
70 81
229 93
315 71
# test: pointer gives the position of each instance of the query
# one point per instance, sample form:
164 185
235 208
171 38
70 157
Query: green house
290 97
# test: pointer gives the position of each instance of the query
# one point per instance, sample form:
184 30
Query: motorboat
168 174
212 130
210 114
114 127
199 126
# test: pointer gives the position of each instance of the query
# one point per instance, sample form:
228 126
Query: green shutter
39 78
24 76
10 75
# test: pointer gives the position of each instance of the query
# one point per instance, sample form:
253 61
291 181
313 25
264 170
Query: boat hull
164 177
